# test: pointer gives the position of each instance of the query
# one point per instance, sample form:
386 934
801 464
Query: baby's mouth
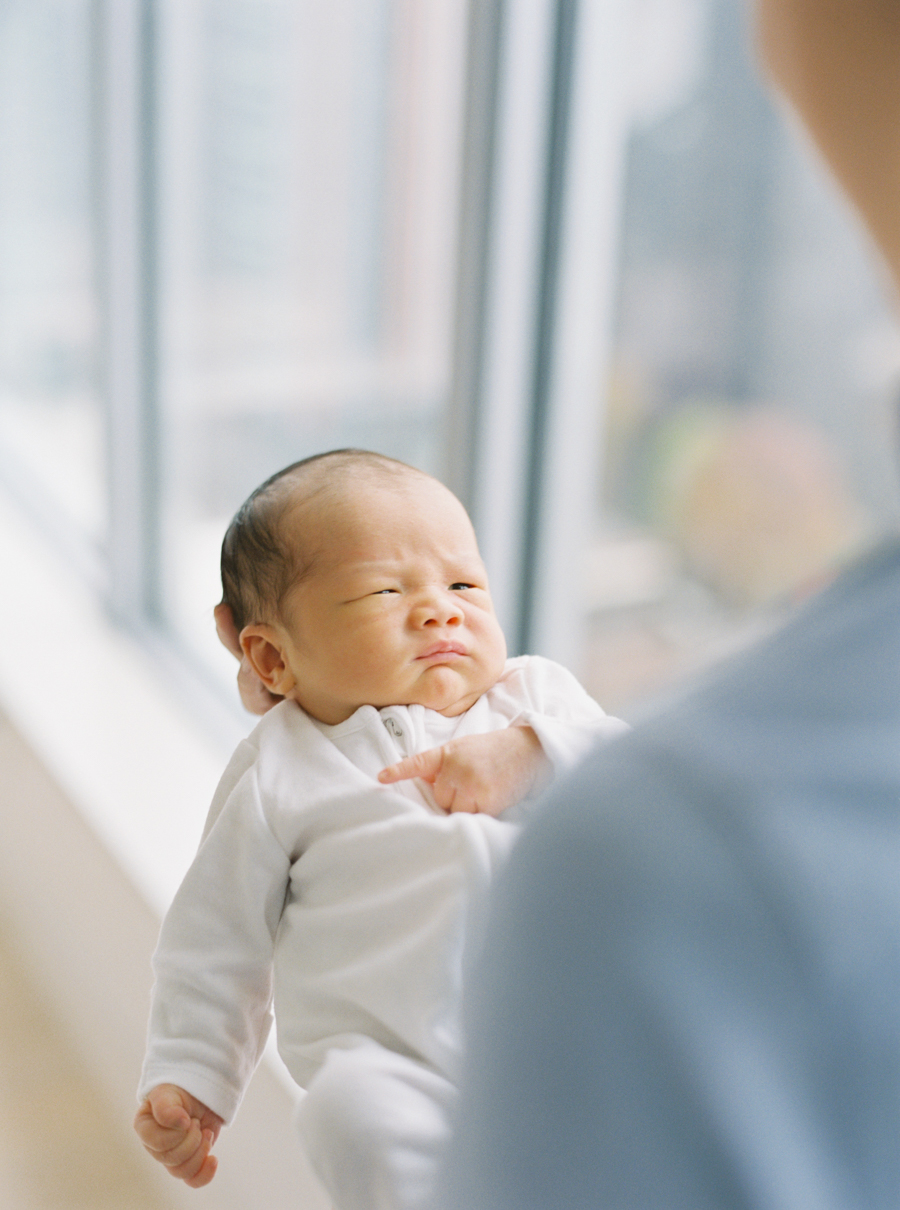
443 650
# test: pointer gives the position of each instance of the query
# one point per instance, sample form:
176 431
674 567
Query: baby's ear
263 648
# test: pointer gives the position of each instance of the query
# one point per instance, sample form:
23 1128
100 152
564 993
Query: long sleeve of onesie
213 964
566 719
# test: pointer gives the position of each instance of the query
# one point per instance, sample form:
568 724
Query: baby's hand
485 773
179 1131
254 695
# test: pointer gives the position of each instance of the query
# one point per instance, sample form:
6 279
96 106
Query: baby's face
396 609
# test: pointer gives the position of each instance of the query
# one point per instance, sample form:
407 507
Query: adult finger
255 697
226 629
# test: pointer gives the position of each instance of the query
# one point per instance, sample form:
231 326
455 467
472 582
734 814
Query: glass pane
751 427
50 423
308 194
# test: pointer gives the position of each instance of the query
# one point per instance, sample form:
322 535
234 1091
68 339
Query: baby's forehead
347 520
369 496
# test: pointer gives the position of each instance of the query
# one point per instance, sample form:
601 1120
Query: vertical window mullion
535 328
476 207
127 291
510 79
584 166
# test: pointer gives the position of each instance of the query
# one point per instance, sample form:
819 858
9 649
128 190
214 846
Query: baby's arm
179 1131
496 770
478 773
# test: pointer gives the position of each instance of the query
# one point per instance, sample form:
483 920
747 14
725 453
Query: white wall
104 782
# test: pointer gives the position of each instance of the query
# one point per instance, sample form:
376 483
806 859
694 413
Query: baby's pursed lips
442 649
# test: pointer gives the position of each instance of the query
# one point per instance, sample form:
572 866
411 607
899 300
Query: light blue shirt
691 992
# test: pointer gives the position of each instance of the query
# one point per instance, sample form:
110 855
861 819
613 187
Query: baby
349 847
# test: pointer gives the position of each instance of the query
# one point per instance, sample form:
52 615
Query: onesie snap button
394 728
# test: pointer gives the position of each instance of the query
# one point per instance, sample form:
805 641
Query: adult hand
255 696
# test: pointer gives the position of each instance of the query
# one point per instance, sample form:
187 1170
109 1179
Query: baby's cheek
495 654
376 661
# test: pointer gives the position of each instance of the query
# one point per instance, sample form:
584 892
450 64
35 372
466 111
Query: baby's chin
448 693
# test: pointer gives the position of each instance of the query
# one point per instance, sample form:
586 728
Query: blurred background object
750 429
565 255
755 500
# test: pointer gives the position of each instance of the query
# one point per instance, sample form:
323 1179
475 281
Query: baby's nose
439 609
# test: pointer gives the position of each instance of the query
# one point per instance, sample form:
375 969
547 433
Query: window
51 448
565 255
749 424
306 201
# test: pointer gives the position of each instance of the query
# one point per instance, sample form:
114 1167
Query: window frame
542 162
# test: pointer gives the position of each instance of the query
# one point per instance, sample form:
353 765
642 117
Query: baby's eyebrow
364 570
370 566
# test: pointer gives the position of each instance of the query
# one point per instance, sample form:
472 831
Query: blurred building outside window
749 419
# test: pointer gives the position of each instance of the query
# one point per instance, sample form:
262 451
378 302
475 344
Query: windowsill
129 755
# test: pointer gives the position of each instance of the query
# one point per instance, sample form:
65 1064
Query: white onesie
347 905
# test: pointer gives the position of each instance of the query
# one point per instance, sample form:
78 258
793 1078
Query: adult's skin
255 697
838 63
690 993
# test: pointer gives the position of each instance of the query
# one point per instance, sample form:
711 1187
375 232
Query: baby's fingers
181 1151
160 1136
189 1159
199 1167
166 1129
456 801
426 765
171 1147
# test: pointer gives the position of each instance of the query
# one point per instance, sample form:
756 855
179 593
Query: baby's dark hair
259 563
